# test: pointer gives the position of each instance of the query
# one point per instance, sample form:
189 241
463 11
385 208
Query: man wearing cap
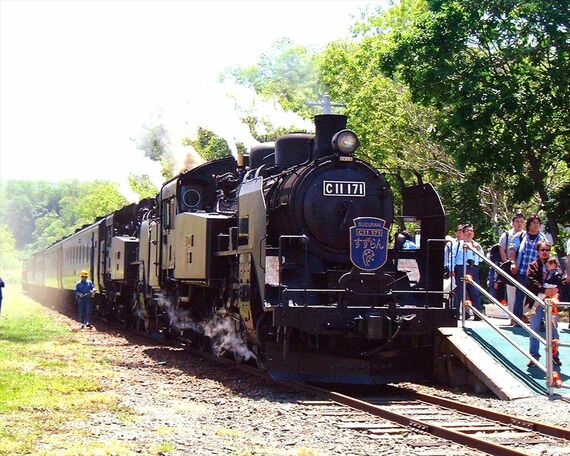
84 291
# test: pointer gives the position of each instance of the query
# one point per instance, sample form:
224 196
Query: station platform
499 365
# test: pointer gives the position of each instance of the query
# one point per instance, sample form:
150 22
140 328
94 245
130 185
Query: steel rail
404 420
448 434
537 426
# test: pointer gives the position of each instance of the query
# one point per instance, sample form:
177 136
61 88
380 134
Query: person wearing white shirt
517 223
472 261
450 252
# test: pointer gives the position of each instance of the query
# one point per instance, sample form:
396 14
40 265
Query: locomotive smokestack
326 125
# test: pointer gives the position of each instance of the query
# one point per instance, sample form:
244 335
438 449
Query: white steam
179 119
127 192
223 335
220 330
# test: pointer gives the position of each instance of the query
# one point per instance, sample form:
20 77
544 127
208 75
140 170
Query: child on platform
554 279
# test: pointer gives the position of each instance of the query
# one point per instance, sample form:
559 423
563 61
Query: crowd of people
524 253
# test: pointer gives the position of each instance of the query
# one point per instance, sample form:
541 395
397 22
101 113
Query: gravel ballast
172 402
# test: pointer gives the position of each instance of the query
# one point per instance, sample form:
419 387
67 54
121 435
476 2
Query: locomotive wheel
238 358
216 347
259 356
203 343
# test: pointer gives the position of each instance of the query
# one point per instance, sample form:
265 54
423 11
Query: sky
80 79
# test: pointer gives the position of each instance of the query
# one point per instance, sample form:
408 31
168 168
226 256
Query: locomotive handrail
261 251
420 290
445 241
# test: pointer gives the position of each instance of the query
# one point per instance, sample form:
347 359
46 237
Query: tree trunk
539 180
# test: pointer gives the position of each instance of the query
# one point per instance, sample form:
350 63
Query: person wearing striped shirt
522 252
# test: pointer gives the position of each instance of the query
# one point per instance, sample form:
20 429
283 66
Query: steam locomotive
291 255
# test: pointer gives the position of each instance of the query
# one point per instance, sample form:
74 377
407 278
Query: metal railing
547 303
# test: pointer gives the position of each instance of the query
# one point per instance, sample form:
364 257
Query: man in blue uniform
84 291
472 260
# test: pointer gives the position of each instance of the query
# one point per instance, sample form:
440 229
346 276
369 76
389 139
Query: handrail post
464 285
525 353
447 261
548 347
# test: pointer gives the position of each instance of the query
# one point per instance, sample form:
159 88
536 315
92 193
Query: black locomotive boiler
291 256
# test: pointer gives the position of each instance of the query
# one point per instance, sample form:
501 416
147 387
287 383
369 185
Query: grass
48 379
51 382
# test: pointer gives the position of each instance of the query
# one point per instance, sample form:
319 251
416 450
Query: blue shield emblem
368 243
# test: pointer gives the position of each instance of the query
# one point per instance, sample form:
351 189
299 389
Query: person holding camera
472 260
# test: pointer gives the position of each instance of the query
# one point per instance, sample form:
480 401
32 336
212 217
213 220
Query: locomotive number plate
344 188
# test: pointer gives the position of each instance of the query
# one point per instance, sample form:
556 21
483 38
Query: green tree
49 228
90 200
37 213
142 185
209 145
10 259
498 72
396 134
288 73
262 129
23 203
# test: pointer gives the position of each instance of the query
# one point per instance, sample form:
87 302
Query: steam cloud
221 331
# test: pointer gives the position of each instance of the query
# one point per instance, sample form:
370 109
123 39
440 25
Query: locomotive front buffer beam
373 324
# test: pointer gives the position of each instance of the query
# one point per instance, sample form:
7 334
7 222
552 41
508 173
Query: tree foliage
263 130
38 213
209 145
395 133
142 185
288 73
498 72
10 259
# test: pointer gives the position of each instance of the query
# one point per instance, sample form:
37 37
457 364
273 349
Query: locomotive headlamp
345 142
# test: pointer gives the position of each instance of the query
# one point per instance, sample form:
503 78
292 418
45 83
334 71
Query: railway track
409 414
426 424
